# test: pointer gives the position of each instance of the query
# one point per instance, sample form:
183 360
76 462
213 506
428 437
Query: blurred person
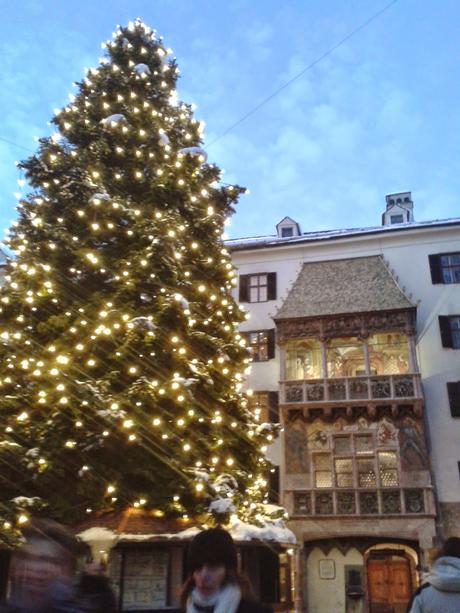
93 591
441 593
42 571
214 584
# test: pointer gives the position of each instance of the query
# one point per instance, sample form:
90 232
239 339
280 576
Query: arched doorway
390 575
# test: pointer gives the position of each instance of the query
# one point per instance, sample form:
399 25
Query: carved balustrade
340 389
384 502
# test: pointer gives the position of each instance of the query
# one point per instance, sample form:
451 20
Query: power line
303 71
10 142
282 87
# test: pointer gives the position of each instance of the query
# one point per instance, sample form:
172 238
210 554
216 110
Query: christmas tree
121 363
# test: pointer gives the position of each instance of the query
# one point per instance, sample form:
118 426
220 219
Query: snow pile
98 198
142 322
141 69
24 502
113 120
270 530
164 139
195 151
97 534
222 505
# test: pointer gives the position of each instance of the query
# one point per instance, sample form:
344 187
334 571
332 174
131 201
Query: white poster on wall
145 580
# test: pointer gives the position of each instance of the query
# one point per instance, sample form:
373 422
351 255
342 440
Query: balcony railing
391 501
370 387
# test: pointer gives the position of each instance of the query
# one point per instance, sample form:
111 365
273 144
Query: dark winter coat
95 595
248 606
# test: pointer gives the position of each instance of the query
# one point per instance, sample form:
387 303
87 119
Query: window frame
373 455
289 230
245 287
270 344
450 335
269 409
453 393
437 268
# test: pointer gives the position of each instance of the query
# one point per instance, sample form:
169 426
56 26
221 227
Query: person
43 575
42 571
93 591
214 584
442 591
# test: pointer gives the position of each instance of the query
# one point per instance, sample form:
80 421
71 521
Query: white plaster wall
328 595
407 254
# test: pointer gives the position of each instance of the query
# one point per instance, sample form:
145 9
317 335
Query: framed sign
145 580
326 569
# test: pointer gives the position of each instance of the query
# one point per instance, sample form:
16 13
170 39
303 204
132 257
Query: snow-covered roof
273 531
260 242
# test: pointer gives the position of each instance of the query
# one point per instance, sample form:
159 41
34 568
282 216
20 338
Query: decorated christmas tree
121 363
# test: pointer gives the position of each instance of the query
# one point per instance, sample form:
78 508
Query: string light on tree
119 355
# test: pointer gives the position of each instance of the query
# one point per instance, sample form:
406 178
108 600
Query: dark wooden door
389 584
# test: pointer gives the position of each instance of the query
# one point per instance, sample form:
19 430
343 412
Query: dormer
287 228
399 209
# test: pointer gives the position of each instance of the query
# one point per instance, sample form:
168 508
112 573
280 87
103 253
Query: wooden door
389 584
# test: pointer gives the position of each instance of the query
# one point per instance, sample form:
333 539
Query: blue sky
378 115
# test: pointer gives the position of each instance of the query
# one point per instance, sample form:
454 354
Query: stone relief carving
414 455
296 448
347 325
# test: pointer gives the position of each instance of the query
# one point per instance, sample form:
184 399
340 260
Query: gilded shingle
355 285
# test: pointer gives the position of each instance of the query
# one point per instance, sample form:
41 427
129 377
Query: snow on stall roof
274 531
273 240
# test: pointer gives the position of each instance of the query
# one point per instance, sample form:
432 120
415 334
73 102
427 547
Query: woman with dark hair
442 591
214 584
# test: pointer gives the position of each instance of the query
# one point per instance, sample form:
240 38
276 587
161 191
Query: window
303 360
287 232
396 219
345 356
264 405
354 462
323 470
445 267
388 468
388 353
343 472
453 391
259 287
261 345
449 326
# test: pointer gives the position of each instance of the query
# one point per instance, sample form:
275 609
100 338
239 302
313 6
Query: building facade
355 339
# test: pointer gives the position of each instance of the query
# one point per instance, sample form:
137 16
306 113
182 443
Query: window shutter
270 344
244 288
446 333
453 389
271 289
273 408
435 268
